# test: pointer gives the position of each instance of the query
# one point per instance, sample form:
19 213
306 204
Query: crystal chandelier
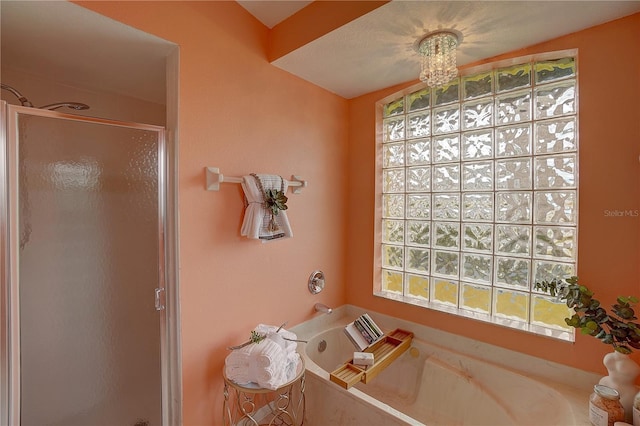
438 56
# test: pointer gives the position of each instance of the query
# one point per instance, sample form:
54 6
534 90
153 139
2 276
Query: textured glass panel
513 77
392 256
393 206
556 207
392 281
393 129
393 155
475 298
545 270
446 235
558 171
418 179
393 180
513 207
477 176
478 237
555 242
477 145
513 107
477 267
513 272
490 187
513 174
477 85
555 69
549 312
477 114
418 100
446 120
417 286
393 231
513 140
477 207
394 108
446 178
445 263
418 206
447 94
418 152
444 292
556 135
555 100
417 260
419 124
88 332
446 206
446 148
418 232
513 240
512 305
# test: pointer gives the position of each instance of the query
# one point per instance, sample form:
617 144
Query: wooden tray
384 351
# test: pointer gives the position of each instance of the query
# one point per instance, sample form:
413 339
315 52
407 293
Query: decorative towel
257 217
270 363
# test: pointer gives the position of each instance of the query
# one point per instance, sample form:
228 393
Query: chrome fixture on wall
27 103
71 105
321 307
23 101
316 282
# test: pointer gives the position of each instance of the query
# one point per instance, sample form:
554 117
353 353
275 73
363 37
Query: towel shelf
215 178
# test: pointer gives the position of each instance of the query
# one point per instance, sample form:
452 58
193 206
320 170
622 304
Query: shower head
23 101
73 105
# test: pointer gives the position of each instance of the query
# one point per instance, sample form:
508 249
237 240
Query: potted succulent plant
616 328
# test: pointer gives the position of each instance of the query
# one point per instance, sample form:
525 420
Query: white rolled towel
280 337
237 358
270 363
238 374
271 378
267 353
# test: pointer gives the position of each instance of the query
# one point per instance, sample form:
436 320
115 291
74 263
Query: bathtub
457 381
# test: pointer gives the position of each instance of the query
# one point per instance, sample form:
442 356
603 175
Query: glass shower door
86 262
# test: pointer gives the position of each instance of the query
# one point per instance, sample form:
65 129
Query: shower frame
170 353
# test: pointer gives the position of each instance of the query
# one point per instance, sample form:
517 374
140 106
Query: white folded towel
256 216
269 363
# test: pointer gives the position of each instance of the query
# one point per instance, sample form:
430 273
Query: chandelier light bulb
438 58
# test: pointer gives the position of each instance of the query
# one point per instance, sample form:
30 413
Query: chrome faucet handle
316 282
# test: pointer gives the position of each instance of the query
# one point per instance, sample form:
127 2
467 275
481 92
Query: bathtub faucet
320 307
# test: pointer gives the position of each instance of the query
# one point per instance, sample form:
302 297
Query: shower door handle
159 299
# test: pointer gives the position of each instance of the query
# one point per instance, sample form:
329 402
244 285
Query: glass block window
479 194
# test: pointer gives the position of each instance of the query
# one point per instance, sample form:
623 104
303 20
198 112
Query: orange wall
609 138
241 114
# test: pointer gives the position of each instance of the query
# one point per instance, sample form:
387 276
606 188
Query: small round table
250 404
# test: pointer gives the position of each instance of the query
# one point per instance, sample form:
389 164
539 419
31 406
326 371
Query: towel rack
215 178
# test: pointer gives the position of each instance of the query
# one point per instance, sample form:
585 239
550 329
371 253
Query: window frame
561 334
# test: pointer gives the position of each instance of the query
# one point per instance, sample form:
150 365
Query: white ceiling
378 50
272 12
73 45
372 52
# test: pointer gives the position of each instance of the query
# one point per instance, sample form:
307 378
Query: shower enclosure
84 253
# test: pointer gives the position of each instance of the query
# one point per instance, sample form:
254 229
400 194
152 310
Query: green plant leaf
616 328
623 350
